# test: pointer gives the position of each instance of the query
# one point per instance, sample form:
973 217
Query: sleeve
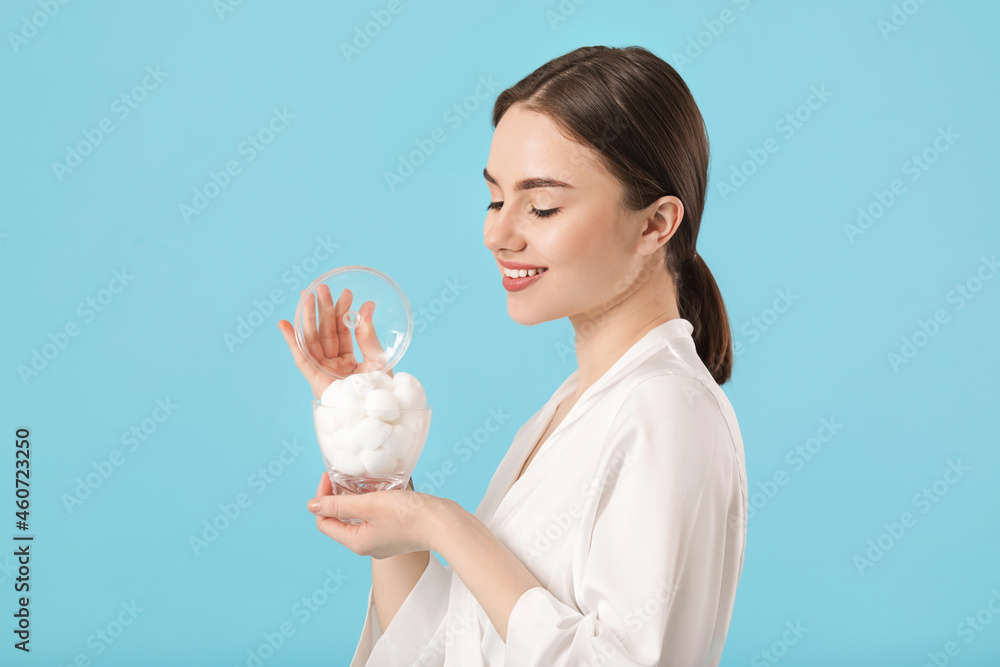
413 626
655 573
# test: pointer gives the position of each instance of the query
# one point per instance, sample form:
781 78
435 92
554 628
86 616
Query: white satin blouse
632 515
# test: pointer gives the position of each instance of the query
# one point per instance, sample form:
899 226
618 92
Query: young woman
613 531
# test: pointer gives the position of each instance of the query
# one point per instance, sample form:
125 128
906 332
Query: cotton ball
347 463
349 417
371 433
400 441
410 396
350 412
360 383
327 445
409 462
415 421
379 462
404 378
326 422
344 440
383 380
334 394
381 404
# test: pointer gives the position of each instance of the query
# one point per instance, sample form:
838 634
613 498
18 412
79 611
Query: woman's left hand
395 522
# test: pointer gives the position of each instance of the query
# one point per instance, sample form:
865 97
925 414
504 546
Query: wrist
444 520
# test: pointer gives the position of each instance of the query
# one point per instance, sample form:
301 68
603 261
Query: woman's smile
519 283
517 276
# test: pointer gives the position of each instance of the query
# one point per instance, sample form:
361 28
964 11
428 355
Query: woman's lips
518 284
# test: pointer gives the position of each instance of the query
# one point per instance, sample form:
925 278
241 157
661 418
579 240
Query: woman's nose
500 231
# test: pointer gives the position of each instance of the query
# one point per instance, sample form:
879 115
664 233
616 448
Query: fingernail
313 505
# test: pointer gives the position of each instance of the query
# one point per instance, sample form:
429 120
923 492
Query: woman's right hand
330 342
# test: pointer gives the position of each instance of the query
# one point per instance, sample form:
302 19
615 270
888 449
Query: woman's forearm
494 575
393 579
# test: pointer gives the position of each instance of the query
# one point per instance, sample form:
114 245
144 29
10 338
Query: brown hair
634 109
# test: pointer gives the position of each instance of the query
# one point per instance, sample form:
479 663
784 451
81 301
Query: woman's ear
662 220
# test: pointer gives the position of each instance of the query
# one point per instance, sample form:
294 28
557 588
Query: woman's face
593 252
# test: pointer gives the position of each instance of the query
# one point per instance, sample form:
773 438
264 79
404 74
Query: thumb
347 506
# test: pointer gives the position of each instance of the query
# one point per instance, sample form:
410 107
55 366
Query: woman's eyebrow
530 183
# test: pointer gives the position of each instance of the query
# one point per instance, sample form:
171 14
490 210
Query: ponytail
699 301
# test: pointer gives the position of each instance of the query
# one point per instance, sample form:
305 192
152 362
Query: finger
346 345
345 533
309 328
327 326
368 338
288 331
325 487
341 507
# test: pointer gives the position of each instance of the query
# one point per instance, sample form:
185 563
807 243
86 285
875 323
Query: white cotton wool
379 462
410 396
382 404
403 378
347 463
344 440
327 446
400 441
372 423
326 422
333 394
361 383
413 420
409 461
371 433
346 407
382 380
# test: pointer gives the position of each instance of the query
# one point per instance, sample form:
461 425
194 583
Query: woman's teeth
522 273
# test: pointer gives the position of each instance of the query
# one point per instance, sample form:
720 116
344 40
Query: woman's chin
528 316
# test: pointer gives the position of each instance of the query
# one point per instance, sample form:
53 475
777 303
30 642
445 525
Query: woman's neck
604 335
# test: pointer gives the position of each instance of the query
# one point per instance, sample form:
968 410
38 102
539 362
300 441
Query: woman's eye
495 206
543 214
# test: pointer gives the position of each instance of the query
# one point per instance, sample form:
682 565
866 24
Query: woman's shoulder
667 398
670 382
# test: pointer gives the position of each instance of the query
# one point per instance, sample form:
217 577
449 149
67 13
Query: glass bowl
376 467
365 450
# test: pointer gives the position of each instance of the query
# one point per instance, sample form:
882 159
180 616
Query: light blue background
824 357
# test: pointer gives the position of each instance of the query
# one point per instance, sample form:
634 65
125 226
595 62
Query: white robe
632 515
